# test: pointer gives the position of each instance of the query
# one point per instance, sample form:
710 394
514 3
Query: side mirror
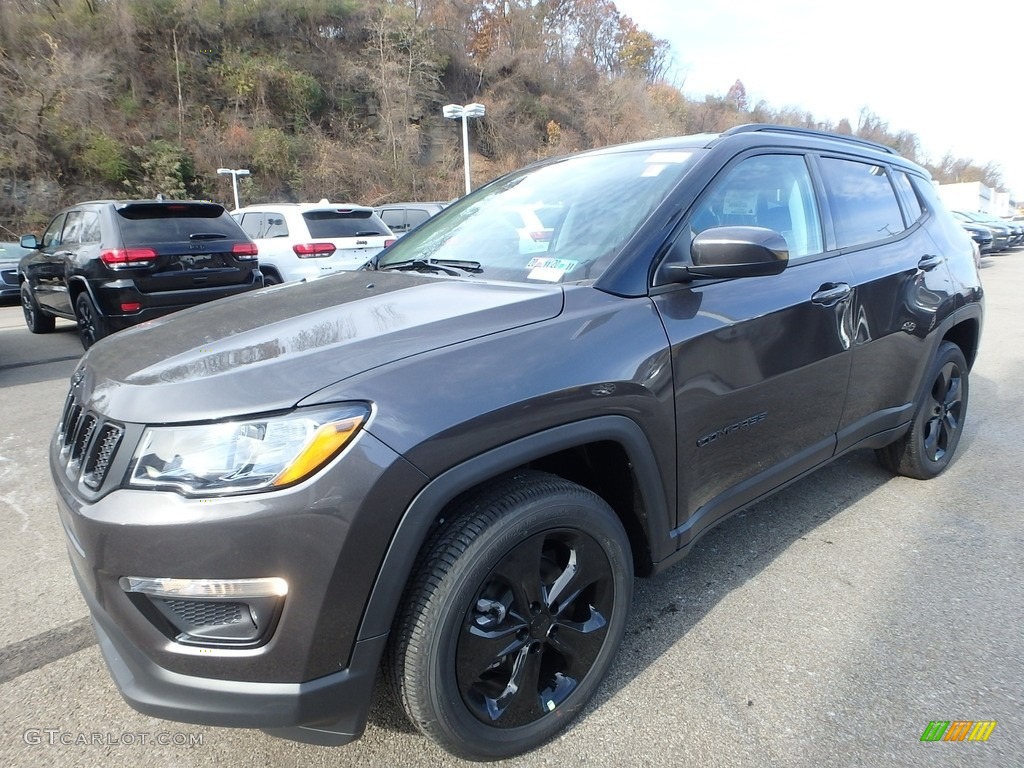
30 242
723 252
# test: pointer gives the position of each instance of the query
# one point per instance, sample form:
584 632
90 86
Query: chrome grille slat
95 469
71 424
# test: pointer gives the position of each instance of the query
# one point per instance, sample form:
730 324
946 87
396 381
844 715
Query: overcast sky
951 74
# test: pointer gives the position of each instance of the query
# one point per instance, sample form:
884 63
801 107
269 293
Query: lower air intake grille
200 613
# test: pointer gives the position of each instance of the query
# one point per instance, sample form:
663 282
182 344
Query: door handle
831 294
929 262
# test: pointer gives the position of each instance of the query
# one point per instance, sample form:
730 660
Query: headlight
242 456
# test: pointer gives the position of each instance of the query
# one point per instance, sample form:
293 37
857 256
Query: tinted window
91 232
252 224
771 191
141 224
394 218
862 200
914 210
417 216
73 229
51 236
330 224
275 225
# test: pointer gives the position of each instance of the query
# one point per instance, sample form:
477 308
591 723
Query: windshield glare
559 223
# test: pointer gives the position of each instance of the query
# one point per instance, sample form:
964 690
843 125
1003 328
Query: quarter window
771 191
862 200
91 232
914 210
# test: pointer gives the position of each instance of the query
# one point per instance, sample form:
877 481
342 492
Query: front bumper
331 710
311 679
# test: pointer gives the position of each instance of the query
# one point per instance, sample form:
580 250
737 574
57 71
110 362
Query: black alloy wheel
513 616
927 449
535 629
36 320
91 327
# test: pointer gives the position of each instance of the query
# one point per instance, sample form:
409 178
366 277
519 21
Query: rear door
761 364
902 288
183 246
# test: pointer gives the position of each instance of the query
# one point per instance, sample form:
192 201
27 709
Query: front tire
91 327
36 320
926 450
514 614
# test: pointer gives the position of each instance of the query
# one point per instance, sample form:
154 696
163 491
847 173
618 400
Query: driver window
771 191
51 237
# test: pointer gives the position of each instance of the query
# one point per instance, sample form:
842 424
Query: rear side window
863 201
395 218
914 210
417 216
142 224
329 224
252 224
73 229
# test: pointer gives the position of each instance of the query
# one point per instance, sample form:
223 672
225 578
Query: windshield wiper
448 266
207 236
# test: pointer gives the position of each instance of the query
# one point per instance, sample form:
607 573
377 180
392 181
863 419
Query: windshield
561 222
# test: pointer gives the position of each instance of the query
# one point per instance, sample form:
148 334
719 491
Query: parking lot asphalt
826 626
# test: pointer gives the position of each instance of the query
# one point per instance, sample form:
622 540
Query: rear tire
515 611
91 326
36 320
927 449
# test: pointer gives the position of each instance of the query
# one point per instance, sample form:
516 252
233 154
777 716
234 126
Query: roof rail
757 127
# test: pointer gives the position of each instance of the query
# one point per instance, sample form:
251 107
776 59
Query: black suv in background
457 459
109 265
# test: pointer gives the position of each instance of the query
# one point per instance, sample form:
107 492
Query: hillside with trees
335 98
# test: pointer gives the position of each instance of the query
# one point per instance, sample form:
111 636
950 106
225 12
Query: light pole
235 173
455 111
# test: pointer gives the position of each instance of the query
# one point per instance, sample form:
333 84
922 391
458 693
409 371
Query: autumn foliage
332 98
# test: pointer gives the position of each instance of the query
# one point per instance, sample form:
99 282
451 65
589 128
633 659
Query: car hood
269 349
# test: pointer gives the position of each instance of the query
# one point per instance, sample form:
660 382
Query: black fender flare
73 291
421 514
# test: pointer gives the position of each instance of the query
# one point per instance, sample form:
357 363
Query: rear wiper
207 236
448 266
369 233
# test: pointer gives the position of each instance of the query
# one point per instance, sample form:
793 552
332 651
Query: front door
761 365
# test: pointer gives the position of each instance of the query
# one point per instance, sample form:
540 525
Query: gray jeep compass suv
455 461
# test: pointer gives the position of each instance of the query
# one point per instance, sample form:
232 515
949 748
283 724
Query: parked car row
110 264
991 233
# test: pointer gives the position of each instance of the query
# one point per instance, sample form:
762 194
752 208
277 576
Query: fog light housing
215 613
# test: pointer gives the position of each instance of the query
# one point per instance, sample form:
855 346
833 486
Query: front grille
87 443
202 613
